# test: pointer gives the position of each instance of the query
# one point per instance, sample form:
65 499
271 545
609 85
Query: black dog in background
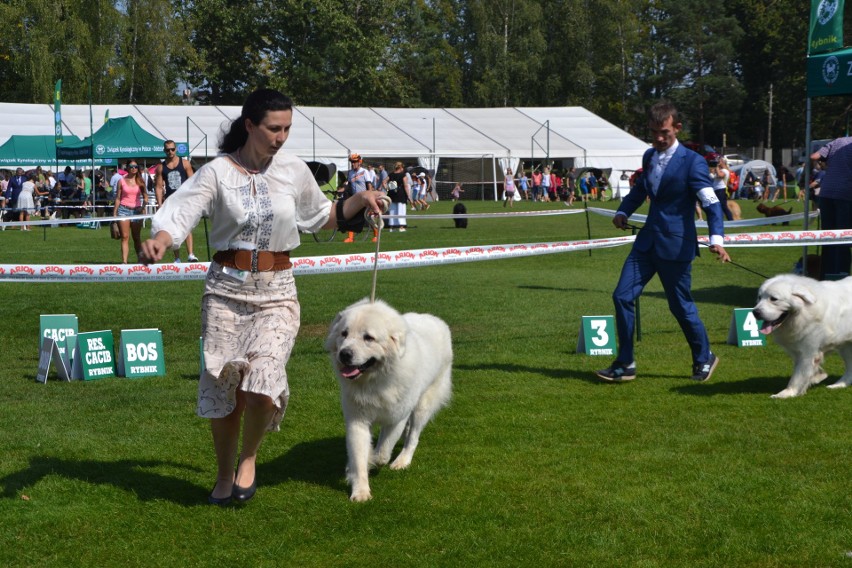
460 209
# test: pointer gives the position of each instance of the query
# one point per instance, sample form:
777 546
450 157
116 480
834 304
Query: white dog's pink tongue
767 328
350 372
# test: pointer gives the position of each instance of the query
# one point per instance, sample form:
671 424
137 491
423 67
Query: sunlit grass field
534 462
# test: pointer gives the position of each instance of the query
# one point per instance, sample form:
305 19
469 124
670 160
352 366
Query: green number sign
745 329
597 336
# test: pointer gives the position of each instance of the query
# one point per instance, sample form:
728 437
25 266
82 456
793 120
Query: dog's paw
787 393
841 384
819 377
401 462
378 460
361 495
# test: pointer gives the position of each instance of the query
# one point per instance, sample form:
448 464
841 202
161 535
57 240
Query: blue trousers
676 278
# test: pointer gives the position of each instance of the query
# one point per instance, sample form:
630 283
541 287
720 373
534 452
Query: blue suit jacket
670 228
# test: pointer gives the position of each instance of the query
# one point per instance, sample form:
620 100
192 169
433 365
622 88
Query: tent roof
329 134
118 138
757 167
29 150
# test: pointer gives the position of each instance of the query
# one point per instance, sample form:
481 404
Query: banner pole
807 181
92 135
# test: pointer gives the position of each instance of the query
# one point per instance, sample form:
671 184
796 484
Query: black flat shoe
221 502
243 494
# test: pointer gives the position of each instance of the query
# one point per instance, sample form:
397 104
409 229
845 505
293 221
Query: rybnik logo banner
826 30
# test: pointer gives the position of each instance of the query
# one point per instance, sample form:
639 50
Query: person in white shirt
258 199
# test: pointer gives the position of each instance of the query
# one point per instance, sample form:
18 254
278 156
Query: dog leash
765 277
376 261
377 223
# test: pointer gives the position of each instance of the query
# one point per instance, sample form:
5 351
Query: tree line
736 68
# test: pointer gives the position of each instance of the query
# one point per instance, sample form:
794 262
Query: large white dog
394 371
808 318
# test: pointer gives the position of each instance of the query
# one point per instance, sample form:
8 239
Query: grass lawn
534 463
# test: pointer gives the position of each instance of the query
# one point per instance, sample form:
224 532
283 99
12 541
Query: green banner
826 30
830 73
57 110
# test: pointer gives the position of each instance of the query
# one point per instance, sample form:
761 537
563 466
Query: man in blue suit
674 178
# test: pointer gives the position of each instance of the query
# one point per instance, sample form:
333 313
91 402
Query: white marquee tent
495 138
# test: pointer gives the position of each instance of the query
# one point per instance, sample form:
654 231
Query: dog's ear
329 344
805 295
398 338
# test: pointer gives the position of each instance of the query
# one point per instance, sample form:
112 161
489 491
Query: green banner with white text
826 30
830 73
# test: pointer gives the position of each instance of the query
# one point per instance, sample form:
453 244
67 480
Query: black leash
765 277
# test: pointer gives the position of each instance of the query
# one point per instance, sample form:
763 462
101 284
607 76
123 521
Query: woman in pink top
536 181
129 200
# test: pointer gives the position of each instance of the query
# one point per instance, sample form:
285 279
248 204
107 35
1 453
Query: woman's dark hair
255 108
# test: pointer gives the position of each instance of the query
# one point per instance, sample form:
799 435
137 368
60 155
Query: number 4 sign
745 329
597 336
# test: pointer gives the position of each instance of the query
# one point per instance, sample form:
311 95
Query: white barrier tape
758 222
49 205
550 212
786 238
545 213
75 221
387 260
301 266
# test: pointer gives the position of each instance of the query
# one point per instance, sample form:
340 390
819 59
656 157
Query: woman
415 192
26 201
545 184
399 185
555 184
257 199
524 183
536 185
720 174
509 188
129 199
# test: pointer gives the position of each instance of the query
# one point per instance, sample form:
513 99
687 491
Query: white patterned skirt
249 329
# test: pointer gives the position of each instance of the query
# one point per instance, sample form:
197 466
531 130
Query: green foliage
231 40
150 40
718 61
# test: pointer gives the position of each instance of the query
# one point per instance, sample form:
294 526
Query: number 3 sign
597 336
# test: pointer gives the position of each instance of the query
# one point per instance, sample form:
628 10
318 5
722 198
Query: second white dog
394 371
808 318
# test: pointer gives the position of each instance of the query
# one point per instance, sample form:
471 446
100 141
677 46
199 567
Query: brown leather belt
254 260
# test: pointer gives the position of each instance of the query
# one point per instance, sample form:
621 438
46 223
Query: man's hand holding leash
720 252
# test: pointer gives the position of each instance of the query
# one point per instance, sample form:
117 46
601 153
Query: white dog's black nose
345 356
